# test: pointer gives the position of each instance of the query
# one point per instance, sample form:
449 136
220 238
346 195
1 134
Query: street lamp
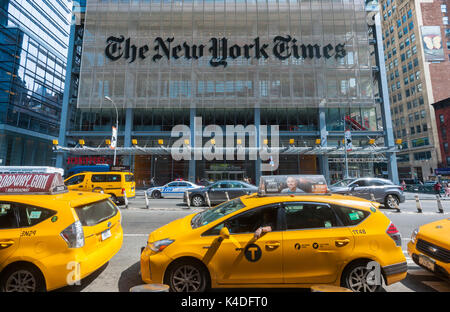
117 124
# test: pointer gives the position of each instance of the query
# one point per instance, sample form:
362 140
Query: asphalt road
122 272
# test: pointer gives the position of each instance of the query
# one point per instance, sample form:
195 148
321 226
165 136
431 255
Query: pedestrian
447 189
437 188
403 185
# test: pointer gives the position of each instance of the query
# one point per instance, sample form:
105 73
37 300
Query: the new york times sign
220 50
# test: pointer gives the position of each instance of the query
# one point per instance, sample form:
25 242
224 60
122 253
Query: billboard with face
293 184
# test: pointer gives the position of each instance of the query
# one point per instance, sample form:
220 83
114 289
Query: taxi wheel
198 201
98 190
187 276
355 278
156 194
391 201
22 278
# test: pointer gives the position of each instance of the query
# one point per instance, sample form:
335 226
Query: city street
122 272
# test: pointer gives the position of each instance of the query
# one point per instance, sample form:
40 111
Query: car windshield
212 214
343 183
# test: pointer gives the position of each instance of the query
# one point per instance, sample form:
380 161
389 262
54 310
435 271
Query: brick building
442 111
416 41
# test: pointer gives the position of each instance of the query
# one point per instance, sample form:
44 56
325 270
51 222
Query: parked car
171 189
217 192
384 191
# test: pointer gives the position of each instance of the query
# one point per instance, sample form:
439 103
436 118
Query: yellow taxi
51 237
430 247
117 184
283 240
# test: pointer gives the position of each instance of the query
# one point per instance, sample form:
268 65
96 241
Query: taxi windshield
211 215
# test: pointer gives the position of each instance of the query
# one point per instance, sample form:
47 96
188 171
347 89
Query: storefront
302 66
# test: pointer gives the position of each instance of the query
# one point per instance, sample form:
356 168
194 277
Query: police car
172 189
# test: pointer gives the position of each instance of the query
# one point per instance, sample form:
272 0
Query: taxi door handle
341 242
6 244
272 245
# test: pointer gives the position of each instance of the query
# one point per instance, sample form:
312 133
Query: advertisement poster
293 184
432 43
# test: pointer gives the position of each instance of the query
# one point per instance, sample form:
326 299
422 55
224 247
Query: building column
65 104
127 135
258 172
192 143
323 159
385 106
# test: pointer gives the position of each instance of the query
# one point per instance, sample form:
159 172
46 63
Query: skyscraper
418 74
34 39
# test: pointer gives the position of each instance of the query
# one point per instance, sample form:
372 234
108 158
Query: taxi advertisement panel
293 184
31 183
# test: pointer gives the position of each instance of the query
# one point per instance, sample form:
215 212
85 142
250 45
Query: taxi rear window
96 213
129 178
351 216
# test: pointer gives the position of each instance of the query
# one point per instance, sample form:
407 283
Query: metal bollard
418 205
147 204
397 207
188 200
207 199
228 197
372 197
439 204
125 198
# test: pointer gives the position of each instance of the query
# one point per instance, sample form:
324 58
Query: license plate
106 234
426 262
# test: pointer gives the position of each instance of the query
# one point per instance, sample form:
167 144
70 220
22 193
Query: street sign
348 141
114 138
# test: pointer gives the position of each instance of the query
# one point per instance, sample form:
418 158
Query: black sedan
218 191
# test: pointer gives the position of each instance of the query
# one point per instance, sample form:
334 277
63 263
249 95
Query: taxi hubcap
21 281
186 278
358 280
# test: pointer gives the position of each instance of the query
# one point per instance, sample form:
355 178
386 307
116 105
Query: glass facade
233 54
305 66
34 39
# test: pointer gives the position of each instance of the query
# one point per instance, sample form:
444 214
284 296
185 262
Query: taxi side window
75 180
97 178
129 178
249 221
8 218
113 178
30 215
308 216
351 216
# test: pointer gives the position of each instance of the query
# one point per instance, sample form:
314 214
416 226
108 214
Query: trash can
150 288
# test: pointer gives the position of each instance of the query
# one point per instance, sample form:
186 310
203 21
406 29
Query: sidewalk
422 196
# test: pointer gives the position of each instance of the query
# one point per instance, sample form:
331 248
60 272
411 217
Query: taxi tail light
123 191
393 233
74 235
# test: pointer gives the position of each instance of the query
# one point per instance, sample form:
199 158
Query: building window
414 50
404 18
445 20
421 101
404 133
399 23
409 14
443 8
404 70
446 147
413 131
420 142
416 116
414 102
413 38
418 129
410 118
411 77
402 46
400 34
403 158
399 96
407 93
419 87
407 42
398 85
405 81
395 62
396 73
408 54
394 51
403 57
441 118
416 62
422 155
408 104
444 133
425 127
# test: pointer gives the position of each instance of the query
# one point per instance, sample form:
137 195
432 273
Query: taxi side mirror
224 233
